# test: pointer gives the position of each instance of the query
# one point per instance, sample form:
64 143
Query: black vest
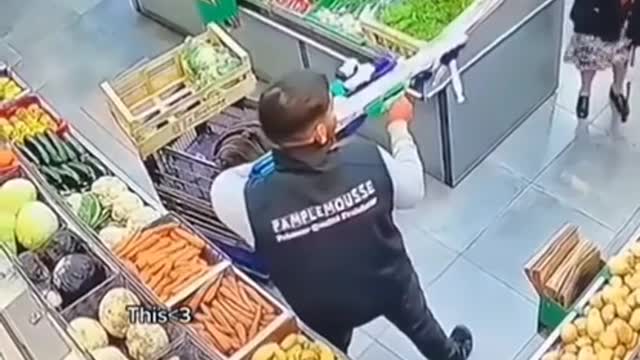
325 229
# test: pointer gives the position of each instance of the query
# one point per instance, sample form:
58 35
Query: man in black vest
320 214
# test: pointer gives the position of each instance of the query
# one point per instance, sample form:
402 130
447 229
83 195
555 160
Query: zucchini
75 145
28 154
96 165
53 178
49 148
103 218
57 145
85 172
69 177
71 154
37 150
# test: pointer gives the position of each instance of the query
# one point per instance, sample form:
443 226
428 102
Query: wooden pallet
156 102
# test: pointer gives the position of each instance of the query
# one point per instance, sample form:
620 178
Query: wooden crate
155 103
381 35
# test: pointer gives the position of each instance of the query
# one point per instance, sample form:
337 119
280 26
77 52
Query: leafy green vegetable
422 19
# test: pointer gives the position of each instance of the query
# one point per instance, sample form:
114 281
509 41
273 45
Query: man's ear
321 134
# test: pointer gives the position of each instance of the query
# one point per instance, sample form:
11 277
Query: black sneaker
582 108
621 103
461 335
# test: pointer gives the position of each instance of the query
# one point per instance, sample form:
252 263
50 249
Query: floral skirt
589 52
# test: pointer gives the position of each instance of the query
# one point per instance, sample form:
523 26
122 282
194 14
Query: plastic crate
383 36
6 72
155 103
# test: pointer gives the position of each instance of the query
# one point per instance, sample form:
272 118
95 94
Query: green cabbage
15 193
35 225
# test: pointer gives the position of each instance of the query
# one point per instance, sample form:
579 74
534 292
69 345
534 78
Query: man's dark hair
292 105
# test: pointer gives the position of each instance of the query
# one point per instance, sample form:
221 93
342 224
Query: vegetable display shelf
156 102
55 258
610 322
12 87
405 45
29 115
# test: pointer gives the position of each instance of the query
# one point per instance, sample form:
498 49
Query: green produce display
422 19
342 7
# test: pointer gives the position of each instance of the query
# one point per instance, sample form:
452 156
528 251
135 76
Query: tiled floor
468 244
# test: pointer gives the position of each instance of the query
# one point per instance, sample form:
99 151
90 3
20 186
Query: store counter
509 67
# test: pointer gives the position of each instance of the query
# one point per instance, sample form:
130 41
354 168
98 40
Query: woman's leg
616 94
586 79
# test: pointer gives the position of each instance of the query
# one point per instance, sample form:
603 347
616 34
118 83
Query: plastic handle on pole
456 81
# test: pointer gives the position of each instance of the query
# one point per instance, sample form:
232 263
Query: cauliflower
108 188
124 205
141 218
112 235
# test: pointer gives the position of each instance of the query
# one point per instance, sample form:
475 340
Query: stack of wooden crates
155 103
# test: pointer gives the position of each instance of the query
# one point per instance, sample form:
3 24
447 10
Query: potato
605 354
581 325
616 281
596 300
568 356
598 347
634 320
632 281
637 267
595 325
623 331
620 351
609 338
625 291
571 348
634 341
608 313
631 301
583 341
569 333
554 355
619 265
623 310
611 295
586 354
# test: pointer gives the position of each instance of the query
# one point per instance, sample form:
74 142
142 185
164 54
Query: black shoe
621 103
582 108
461 335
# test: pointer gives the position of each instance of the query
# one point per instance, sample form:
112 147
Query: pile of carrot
229 313
8 160
167 258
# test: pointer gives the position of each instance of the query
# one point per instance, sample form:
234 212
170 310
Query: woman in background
605 31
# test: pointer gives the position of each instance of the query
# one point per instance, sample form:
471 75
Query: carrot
235 299
181 286
205 334
142 244
216 307
195 301
186 254
257 298
213 290
236 315
155 281
253 329
226 331
242 333
245 299
128 245
154 268
234 306
189 237
219 317
201 317
196 326
160 229
222 339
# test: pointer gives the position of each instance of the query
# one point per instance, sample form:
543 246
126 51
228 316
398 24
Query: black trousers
411 315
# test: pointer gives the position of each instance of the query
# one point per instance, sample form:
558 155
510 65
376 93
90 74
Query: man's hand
401 110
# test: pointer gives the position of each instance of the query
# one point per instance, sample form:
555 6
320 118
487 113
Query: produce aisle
468 243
